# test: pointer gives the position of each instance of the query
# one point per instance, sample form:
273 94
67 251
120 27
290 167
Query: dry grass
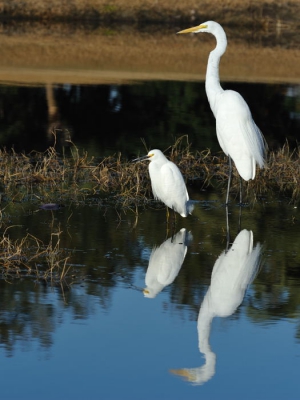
48 178
253 11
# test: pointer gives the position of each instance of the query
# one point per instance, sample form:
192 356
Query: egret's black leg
174 218
241 191
227 230
229 179
167 224
240 220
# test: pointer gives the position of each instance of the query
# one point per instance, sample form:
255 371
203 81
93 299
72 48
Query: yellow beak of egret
193 29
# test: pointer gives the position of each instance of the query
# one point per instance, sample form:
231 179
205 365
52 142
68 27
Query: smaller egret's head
152 155
149 294
209 26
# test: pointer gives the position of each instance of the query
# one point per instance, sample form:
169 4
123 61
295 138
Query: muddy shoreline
55 54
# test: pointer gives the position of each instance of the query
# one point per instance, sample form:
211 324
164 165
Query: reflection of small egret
238 135
167 183
165 263
233 271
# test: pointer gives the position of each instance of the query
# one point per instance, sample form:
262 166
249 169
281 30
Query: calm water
152 313
191 334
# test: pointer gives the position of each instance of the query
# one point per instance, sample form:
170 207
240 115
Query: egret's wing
168 186
254 140
155 176
238 135
173 183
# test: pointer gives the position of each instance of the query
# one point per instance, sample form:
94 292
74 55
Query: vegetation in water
52 181
49 177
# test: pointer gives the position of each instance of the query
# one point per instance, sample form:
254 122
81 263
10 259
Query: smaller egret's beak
146 157
193 29
184 373
146 291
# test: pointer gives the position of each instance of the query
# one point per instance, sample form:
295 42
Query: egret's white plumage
165 263
237 133
233 271
167 183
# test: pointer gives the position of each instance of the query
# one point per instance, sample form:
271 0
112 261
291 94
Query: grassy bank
49 178
237 12
110 41
34 54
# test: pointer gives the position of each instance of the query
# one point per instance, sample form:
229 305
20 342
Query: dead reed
49 178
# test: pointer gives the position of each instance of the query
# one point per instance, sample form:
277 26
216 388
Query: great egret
238 135
233 272
167 183
165 263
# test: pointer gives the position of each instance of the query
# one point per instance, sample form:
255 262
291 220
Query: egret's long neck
205 318
212 83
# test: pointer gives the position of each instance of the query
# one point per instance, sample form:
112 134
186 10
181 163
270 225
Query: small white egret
238 135
167 183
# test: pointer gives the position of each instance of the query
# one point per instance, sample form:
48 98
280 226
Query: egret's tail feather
189 206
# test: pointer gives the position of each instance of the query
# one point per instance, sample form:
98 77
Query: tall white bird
239 137
167 183
165 263
234 270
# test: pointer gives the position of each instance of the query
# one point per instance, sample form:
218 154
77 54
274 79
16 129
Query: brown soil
266 50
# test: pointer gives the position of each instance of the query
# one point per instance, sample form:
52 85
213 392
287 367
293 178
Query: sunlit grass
48 179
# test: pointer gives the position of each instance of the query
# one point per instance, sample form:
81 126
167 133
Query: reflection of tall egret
167 183
238 135
233 271
165 263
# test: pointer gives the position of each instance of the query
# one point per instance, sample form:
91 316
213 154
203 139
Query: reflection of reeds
31 257
51 178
